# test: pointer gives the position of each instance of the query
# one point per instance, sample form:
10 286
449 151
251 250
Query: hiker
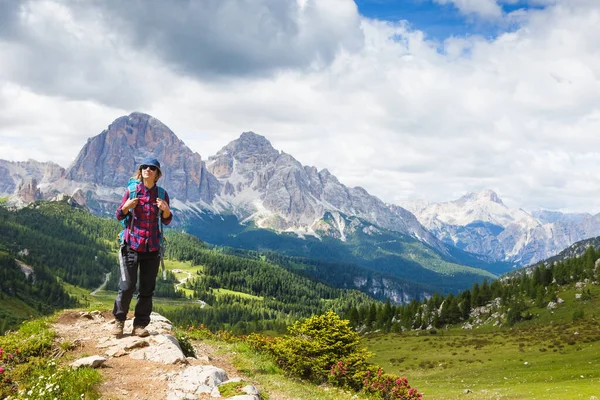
143 205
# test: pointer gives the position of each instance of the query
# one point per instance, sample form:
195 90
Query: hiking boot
117 330
140 331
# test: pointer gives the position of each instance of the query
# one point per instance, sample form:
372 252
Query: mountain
275 191
103 166
23 179
481 223
253 196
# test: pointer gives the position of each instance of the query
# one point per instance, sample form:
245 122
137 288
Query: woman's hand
129 204
164 207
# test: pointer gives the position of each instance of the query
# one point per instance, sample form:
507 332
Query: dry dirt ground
126 378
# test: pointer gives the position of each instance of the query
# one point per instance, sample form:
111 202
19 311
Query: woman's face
149 172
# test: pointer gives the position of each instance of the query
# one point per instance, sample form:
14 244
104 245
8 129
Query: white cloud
374 102
481 8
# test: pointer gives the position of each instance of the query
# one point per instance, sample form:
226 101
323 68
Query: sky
409 99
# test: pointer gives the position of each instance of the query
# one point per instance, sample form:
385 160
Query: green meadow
555 355
182 270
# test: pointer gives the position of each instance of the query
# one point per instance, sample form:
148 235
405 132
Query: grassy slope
549 357
15 310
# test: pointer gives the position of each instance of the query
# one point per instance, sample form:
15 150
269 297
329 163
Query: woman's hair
138 175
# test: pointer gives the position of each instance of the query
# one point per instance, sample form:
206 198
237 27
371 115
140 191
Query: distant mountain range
481 223
253 196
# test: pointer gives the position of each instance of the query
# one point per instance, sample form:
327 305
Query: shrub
387 386
325 349
316 344
200 332
187 348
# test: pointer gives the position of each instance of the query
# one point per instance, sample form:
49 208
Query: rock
249 389
28 191
195 380
161 348
159 324
92 361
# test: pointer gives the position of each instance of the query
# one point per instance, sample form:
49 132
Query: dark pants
147 263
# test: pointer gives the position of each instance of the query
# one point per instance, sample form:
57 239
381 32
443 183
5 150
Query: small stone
92 361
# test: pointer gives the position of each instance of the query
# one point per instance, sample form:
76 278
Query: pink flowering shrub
8 360
388 386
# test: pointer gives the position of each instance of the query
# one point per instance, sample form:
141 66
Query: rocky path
147 368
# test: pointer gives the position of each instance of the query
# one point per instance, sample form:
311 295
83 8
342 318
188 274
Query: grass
183 270
222 292
14 311
30 369
549 357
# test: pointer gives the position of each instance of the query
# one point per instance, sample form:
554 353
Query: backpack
128 220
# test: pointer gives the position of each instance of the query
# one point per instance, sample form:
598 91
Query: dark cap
150 161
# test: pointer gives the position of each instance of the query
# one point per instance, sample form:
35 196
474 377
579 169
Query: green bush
318 343
187 348
325 349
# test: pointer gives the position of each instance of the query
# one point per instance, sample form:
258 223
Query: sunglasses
152 167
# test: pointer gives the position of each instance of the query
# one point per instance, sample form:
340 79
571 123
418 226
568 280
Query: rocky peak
248 148
28 191
17 175
481 196
110 158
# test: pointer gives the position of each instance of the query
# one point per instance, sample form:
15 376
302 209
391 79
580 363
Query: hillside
422 270
532 334
69 249
169 364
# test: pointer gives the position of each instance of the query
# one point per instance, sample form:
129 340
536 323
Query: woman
142 247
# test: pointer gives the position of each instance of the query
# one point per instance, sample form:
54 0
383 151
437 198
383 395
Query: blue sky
438 21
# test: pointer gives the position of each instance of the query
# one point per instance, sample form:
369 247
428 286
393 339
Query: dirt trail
126 378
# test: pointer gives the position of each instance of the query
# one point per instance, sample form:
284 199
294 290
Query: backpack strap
161 228
132 187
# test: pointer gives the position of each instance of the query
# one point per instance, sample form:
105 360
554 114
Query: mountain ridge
263 188
481 223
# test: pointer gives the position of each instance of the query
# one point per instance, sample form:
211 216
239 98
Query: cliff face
28 191
21 180
111 158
